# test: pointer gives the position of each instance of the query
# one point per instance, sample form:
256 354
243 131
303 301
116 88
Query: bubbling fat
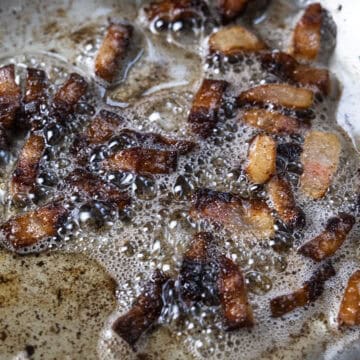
155 231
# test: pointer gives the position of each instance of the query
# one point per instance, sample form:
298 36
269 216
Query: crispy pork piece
142 161
23 179
175 10
70 92
237 215
34 226
282 198
112 51
231 9
307 33
308 293
233 40
198 272
327 243
272 122
278 94
349 312
320 160
261 159
93 187
10 94
35 90
144 312
287 68
205 107
236 309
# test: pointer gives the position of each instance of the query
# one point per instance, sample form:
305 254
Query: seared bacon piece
272 121
237 215
35 90
287 68
307 34
144 312
91 186
231 9
261 159
236 309
282 198
308 293
142 161
10 94
112 51
198 272
175 10
23 180
320 160
34 226
278 94
233 40
349 312
70 92
205 107
327 243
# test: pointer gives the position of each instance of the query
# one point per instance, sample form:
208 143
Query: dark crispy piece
91 186
205 107
334 235
24 176
70 92
142 161
307 34
112 51
198 272
289 151
236 309
35 90
34 226
9 96
235 214
282 198
175 10
287 68
310 292
144 312
349 312
278 94
231 9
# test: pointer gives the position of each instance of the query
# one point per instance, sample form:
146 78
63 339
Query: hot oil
155 231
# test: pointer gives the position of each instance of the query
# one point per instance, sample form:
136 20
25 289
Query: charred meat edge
308 293
331 239
35 89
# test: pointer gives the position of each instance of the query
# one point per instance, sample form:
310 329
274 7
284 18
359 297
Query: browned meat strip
144 312
307 34
231 9
35 90
142 161
349 312
320 160
272 121
70 92
310 292
233 40
235 214
278 94
334 235
10 94
95 188
23 180
34 226
205 107
198 272
236 309
261 159
282 198
287 68
112 51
